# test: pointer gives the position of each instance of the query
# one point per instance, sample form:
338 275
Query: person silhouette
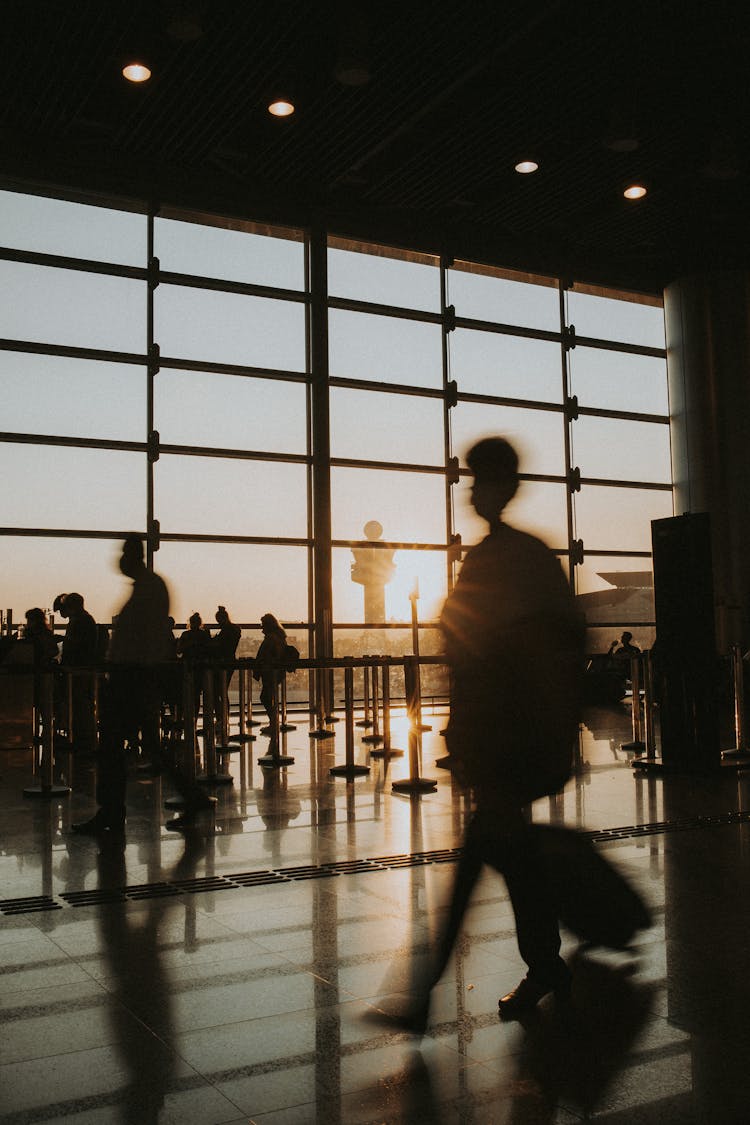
624 649
140 648
515 643
80 649
224 648
268 659
194 647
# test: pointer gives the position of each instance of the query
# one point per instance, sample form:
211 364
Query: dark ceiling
422 154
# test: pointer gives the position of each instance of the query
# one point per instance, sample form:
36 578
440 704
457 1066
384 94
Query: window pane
385 349
374 276
76 489
538 508
230 254
248 579
482 296
618 519
36 570
619 381
222 496
426 568
75 230
609 318
506 366
72 397
382 427
230 411
409 506
538 436
615 449
229 328
616 590
86 310
394 642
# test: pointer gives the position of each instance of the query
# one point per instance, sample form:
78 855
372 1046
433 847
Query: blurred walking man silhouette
514 641
140 643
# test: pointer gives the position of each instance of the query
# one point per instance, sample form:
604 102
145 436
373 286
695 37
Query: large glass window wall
157 377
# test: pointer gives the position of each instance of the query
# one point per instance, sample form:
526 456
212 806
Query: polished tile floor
238 976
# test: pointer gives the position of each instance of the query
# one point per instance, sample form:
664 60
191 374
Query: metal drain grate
285 875
28 905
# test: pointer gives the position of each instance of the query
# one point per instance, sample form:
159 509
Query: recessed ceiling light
280 107
526 166
136 72
635 191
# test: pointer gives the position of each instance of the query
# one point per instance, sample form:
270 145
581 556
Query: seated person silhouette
624 649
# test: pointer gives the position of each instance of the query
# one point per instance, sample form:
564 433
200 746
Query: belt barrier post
349 770
740 750
211 775
386 751
414 783
284 725
245 719
274 759
637 744
47 787
648 759
186 750
375 736
321 708
365 721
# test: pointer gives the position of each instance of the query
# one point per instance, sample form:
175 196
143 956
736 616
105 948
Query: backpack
290 658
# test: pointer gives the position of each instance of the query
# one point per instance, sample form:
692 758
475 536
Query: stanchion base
275 761
415 785
382 753
215 779
658 765
372 738
333 718
321 734
242 738
174 803
349 771
736 756
635 747
363 723
47 791
285 727
228 749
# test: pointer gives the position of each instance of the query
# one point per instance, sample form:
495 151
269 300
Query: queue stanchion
365 721
636 744
245 705
274 759
386 750
375 737
222 716
349 769
211 776
648 759
47 787
284 726
186 751
740 751
321 708
414 783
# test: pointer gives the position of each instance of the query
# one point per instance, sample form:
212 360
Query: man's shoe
98 826
523 999
187 820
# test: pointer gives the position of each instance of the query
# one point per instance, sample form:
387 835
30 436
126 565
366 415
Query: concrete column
708 363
